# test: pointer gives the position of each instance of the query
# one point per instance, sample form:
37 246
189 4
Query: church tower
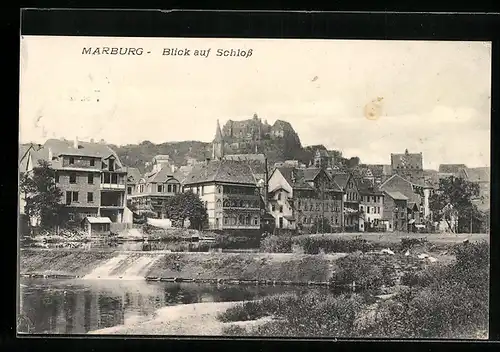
218 144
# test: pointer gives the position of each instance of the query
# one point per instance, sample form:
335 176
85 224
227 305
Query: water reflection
76 307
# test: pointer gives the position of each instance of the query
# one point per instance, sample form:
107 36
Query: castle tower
218 144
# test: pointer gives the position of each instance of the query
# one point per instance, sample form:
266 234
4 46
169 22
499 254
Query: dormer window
92 162
71 160
111 165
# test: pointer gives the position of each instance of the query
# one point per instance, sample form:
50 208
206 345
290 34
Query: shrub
451 301
250 310
276 244
367 271
329 244
234 330
310 314
409 243
237 242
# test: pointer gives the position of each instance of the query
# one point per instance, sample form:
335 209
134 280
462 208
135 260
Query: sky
429 96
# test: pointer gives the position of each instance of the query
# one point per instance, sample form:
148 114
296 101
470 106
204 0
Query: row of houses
240 191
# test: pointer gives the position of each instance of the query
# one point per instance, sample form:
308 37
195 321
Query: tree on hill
184 206
42 196
456 196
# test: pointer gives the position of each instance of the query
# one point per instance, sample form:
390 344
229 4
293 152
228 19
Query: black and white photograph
254 187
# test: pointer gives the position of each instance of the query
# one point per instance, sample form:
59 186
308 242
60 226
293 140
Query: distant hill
279 142
137 155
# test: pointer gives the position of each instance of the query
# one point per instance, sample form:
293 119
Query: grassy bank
444 301
241 266
62 262
246 266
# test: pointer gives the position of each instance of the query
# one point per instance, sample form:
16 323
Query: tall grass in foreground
435 302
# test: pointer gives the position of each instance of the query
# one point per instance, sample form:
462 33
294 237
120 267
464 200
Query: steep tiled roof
221 171
257 162
133 174
294 177
397 183
341 179
477 174
311 173
412 160
64 147
160 176
396 195
299 178
451 168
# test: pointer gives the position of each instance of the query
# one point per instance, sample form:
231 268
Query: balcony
112 200
112 186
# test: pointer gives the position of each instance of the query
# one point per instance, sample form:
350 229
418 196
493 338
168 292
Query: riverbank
187 319
195 265
445 301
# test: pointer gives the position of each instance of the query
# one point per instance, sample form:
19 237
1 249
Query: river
78 306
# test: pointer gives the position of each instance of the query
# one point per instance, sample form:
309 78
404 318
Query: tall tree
184 206
42 196
455 196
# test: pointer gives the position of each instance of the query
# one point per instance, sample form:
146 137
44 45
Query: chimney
75 143
50 154
172 167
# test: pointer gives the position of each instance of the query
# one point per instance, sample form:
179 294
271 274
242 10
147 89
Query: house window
279 195
361 208
273 207
111 165
68 197
169 188
90 178
114 179
71 160
368 210
255 220
129 190
160 188
72 178
90 197
75 196
56 177
281 208
174 188
92 162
